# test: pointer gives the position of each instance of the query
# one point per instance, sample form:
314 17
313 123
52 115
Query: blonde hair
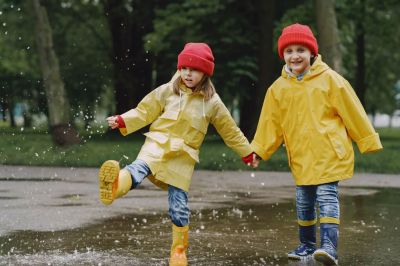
205 86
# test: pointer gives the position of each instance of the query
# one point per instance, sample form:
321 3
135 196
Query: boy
316 113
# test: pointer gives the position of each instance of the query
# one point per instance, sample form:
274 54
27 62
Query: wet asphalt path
53 198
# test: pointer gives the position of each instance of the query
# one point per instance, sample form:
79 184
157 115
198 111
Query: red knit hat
297 34
198 56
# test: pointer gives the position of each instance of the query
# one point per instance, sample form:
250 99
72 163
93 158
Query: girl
179 113
315 112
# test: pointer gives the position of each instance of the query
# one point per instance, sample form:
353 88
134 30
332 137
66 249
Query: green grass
34 147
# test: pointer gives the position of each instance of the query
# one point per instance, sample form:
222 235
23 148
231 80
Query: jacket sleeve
269 134
350 109
229 131
145 113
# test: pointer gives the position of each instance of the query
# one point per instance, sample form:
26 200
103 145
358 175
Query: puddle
239 235
29 179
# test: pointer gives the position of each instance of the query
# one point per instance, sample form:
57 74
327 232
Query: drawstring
204 114
180 99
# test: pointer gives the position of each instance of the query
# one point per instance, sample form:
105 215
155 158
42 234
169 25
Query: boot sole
296 257
108 175
325 258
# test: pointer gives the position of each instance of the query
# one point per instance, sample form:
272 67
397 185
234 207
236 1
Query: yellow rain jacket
316 118
179 125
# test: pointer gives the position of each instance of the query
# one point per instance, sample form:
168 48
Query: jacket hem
326 180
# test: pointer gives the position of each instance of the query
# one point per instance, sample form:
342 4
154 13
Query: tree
251 106
371 53
361 84
83 46
18 74
61 128
129 21
328 33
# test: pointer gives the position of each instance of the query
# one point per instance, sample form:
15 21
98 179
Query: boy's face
297 57
191 77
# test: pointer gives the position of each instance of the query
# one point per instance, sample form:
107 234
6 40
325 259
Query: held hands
252 160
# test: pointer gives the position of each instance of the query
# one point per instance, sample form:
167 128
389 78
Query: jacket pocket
200 124
337 144
157 136
197 132
169 114
287 150
152 148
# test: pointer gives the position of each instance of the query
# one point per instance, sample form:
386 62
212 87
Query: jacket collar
316 68
187 90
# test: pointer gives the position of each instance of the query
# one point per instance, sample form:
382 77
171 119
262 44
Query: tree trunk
251 107
360 52
27 116
132 65
328 34
3 112
61 128
10 107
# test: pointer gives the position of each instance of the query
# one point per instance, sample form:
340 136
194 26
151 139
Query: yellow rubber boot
179 246
113 182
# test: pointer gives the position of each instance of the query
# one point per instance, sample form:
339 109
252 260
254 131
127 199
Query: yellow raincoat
179 125
316 118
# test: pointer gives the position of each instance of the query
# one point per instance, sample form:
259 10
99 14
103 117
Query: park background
66 65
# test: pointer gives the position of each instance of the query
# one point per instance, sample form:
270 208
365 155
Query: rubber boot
307 236
179 246
113 182
327 254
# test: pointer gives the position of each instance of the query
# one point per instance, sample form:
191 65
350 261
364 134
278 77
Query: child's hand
252 160
256 161
112 121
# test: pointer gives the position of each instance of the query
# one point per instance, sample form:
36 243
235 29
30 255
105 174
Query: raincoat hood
316 69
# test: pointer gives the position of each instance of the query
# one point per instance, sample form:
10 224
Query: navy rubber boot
327 254
307 235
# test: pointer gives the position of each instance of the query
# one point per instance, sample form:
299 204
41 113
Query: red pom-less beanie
297 34
198 56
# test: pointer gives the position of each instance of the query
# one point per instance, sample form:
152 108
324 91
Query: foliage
81 38
19 75
34 147
381 42
82 41
227 26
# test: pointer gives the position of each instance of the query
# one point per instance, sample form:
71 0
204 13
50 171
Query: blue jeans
177 198
326 195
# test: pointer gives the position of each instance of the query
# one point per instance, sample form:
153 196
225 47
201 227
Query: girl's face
191 77
297 58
